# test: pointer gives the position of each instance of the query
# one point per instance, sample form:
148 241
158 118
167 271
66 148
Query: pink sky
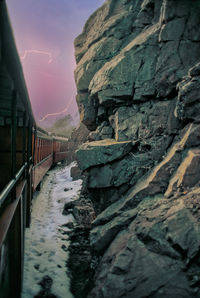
44 32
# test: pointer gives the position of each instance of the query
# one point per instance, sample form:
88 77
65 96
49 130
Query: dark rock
46 284
101 152
84 214
101 236
188 99
68 207
187 175
69 225
158 240
79 263
37 266
127 170
195 71
78 136
64 247
67 189
76 173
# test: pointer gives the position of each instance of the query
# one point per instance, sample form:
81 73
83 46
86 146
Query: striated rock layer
138 82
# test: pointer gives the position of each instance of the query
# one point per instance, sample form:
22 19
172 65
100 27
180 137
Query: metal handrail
9 187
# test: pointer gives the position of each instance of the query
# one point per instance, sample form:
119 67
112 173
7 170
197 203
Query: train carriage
47 151
42 156
26 154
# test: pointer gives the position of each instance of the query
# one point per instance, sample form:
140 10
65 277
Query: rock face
78 136
150 251
138 82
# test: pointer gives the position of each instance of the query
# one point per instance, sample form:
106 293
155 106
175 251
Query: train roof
12 82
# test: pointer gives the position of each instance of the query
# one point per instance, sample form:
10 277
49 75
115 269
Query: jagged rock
94 59
101 236
104 131
145 121
84 214
193 139
138 83
188 106
88 109
78 136
127 170
138 34
183 233
109 81
195 71
148 258
154 183
101 152
187 175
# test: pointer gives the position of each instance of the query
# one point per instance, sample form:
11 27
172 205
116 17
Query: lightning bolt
58 113
37 52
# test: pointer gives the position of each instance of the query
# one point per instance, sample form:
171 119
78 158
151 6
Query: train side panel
43 159
60 150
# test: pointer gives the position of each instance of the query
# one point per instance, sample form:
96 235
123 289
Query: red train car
47 151
60 149
42 149
26 154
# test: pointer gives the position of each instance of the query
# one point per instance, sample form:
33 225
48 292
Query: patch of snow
46 239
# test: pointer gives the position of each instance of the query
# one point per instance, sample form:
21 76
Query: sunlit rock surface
138 81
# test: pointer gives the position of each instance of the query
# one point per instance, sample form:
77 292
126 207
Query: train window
1 121
20 121
8 121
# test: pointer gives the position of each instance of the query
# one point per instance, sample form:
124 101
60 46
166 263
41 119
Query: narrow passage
46 240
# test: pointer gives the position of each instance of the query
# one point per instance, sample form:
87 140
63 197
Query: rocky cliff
138 82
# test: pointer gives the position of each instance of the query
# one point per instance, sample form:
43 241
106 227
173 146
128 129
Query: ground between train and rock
47 240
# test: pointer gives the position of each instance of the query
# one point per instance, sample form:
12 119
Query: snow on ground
46 241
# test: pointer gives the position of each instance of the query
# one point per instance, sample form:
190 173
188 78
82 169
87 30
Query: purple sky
44 32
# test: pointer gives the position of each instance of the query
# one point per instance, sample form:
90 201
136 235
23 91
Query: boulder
101 152
119 172
75 173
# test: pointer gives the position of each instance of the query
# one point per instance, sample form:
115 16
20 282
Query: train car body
43 156
26 154
60 149
47 151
